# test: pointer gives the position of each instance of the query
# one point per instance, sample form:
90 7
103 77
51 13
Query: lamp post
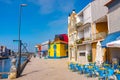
19 41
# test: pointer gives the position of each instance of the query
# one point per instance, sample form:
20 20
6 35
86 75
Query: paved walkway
50 69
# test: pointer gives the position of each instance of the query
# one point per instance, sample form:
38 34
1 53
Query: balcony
87 40
79 24
99 36
79 41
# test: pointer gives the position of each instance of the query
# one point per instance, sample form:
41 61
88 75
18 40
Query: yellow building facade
58 49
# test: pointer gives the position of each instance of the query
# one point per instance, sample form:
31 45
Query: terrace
105 71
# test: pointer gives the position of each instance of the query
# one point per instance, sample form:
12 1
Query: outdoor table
106 66
90 67
102 68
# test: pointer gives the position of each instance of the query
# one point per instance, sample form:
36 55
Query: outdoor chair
117 74
72 66
118 67
80 68
102 74
106 65
110 73
92 63
77 65
106 74
85 69
95 72
115 66
90 71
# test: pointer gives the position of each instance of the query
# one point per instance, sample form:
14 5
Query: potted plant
89 57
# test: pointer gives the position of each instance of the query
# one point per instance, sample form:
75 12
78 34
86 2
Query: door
55 50
82 58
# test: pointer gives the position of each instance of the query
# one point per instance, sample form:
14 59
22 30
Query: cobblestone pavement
50 69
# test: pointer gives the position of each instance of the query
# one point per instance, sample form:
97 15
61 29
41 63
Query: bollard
0 76
13 70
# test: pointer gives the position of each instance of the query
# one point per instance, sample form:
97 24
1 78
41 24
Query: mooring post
13 70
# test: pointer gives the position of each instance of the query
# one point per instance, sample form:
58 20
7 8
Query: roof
60 42
108 3
79 13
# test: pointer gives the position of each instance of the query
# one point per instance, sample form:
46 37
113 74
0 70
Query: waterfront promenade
50 69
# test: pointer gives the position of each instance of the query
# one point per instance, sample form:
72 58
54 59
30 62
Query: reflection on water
5 65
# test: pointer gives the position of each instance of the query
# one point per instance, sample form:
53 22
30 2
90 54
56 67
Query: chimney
73 11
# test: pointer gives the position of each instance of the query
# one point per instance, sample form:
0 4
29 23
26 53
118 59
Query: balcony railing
79 41
99 36
79 24
87 40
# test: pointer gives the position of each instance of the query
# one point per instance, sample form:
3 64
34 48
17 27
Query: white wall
44 47
115 53
80 34
79 18
98 9
82 59
114 21
87 32
88 48
87 14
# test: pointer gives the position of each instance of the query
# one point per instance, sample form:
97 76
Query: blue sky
41 20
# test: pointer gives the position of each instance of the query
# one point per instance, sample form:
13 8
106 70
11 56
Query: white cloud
64 7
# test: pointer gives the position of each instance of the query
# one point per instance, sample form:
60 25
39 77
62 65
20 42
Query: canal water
5 65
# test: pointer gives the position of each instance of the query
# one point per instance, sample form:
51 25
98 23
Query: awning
114 44
111 37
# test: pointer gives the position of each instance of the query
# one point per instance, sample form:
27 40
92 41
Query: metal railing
79 41
78 24
98 36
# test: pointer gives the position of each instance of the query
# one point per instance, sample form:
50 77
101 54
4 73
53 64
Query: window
81 54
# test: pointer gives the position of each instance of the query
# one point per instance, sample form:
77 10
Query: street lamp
19 41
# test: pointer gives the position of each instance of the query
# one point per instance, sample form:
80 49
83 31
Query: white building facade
72 35
85 19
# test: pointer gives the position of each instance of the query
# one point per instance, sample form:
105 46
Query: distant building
38 49
59 47
4 52
44 48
